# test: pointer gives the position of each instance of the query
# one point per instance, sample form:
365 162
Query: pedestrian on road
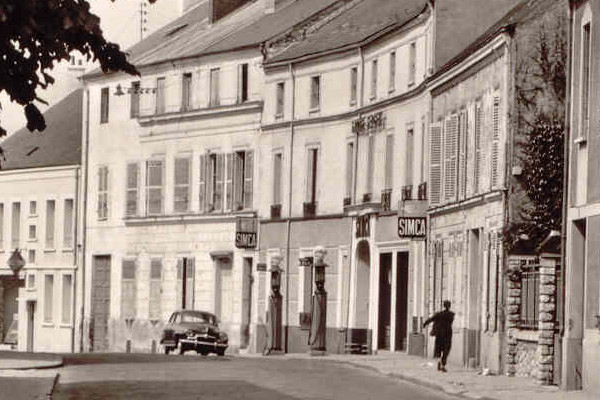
442 330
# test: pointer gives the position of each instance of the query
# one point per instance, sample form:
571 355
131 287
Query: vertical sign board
245 233
412 227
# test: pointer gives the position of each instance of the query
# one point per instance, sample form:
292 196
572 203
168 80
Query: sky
120 21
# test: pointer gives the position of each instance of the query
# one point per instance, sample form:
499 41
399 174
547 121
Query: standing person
442 330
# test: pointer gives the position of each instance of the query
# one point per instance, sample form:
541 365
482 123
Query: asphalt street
133 377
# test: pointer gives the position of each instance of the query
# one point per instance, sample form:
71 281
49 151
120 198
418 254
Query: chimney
269 6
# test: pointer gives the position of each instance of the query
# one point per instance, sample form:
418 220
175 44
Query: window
215 182
392 85
155 289
50 222
450 156
32 232
67 294
31 256
134 107
132 190
530 297
585 81
102 193
243 182
409 156
48 298
277 177
32 208
154 187
16 225
463 143
186 92
280 100
315 93
160 95
374 77
435 163
353 85
1 226
412 63
128 289
479 156
226 181
104 106
185 284
181 195
31 281
370 164
214 87
349 171
243 83
495 168
68 224
312 175
389 161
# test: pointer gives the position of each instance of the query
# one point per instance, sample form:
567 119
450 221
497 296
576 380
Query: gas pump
275 306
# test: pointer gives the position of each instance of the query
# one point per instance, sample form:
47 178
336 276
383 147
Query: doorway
402 261
247 284
363 275
31 306
224 289
100 303
474 299
385 301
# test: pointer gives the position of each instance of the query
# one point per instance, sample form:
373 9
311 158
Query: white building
39 209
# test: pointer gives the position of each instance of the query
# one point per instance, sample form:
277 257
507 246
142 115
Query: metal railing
530 298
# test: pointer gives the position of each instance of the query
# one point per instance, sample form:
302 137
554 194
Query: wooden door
100 303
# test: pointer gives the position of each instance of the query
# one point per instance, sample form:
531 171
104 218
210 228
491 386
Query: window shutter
495 178
435 163
229 182
450 156
479 157
179 290
202 184
219 182
463 138
128 289
190 275
100 195
155 183
131 207
211 162
349 169
154 301
181 195
248 181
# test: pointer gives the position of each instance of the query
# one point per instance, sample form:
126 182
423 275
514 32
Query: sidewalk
11 360
28 376
459 382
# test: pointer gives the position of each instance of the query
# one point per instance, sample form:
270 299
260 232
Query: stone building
40 183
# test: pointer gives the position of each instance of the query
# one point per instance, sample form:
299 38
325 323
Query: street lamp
318 328
16 262
275 301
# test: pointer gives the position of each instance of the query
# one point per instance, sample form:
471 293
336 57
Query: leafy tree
540 95
35 35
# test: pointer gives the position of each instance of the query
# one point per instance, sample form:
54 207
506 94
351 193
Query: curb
53 388
46 365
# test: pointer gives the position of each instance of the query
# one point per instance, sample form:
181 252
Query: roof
361 21
59 144
191 35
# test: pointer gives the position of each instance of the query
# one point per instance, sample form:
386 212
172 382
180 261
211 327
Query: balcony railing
310 210
407 193
422 191
386 200
367 198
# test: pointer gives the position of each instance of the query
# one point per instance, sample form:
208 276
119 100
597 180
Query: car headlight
223 337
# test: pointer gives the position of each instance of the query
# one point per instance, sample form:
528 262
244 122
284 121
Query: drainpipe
84 214
289 221
75 256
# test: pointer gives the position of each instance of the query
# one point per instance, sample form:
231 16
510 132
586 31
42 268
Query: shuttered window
389 162
374 79
132 190
277 177
16 225
211 181
128 289
160 95
370 163
412 63
181 195
218 182
450 156
202 184
68 224
280 99
479 156
50 223
229 168
462 156
155 187
349 169
155 303
248 179
243 179
215 77
185 298
186 91
134 106
435 163
495 170
315 92
102 209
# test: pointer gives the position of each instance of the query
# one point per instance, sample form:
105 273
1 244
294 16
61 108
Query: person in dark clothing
442 330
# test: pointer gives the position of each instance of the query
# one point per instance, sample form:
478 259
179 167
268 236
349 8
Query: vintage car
194 330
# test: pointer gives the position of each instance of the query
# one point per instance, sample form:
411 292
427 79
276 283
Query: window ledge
278 116
65 325
191 217
30 240
50 250
47 324
67 250
33 215
580 140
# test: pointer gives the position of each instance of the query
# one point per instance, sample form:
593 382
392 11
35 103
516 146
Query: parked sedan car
194 330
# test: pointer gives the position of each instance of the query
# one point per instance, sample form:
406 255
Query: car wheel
167 349
180 349
221 352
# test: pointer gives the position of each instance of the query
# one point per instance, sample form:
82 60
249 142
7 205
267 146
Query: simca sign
246 233
412 227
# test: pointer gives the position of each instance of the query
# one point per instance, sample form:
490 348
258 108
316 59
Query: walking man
442 330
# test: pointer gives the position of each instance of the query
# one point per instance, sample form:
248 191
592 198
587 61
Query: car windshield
198 318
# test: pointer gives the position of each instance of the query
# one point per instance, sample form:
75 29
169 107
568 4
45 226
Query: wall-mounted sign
261 267
363 226
246 233
412 227
305 262
371 123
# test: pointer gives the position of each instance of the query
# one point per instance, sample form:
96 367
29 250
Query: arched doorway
363 273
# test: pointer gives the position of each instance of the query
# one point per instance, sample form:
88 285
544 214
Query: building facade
40 217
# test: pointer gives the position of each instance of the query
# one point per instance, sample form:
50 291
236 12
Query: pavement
28 376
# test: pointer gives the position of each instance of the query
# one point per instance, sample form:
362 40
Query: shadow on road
172 390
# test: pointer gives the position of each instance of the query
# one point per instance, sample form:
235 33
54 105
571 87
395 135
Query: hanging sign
245 233
412 227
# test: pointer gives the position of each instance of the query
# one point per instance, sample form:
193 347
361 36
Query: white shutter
495 156
218 194
463 138
479 156
248 179
229 182
450 156
435 163
202 184
133 173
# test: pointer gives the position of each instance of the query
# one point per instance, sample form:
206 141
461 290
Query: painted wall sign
246 233
412 227
363 226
